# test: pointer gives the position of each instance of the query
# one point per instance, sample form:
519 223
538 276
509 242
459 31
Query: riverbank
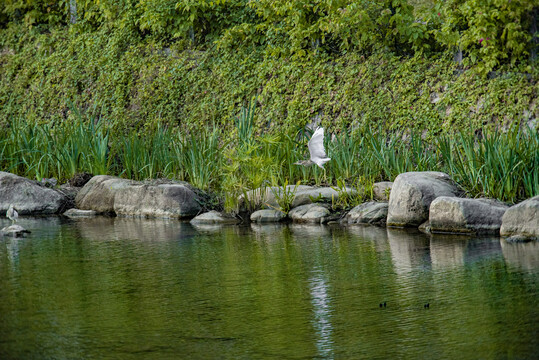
430 201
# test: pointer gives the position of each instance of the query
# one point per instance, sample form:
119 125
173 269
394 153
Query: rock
77 213
372 213
214 217
28 196
157 198
51 183
14 231
521 221
98 193
412 194
267 216
466 216
319 195
310 213
80 179
381 190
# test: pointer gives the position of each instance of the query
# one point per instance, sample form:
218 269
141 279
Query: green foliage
490 32
284 196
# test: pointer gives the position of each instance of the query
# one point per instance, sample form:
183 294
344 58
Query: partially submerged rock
214 217
157 198
14 231
371 213
466 216
154 198
29 197
412 194
98 193
521 221
310 213
267 216
78 213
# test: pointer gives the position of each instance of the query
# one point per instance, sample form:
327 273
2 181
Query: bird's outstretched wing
316 145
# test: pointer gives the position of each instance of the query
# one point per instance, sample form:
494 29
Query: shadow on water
140 288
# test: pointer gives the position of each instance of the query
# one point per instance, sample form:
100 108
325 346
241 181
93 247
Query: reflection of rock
409 249
377 235
96 228
448 250
372 213
29 197
309 231
521 255
14 231
214 217
412 194
466 216
310 213
521 221
269 231
150 229
111 228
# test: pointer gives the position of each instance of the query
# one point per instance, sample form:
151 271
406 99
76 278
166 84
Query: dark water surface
109 288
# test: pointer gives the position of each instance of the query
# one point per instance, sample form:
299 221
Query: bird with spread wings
316 149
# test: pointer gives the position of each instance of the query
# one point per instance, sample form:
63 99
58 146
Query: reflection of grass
499 165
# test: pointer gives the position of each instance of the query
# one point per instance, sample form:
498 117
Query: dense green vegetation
146 89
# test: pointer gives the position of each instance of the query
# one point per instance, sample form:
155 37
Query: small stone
267 216
310 213
214 217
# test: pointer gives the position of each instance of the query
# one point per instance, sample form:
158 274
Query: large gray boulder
157 198
370 213
310 213
412 194
466 216
29 197
98 193
521 221
214 217
154 198
267 216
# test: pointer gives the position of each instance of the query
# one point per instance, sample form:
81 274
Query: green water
110 288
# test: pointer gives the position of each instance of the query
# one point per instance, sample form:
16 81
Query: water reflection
322 314
521 255
409 249
374 234
166 289
448 251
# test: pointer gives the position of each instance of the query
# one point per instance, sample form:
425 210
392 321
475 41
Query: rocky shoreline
429 201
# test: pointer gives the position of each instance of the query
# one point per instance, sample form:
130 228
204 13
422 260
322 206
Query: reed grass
501 165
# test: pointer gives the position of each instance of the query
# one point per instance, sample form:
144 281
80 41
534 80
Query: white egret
12 214
316 150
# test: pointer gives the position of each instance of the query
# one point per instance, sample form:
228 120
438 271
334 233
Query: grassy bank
492 164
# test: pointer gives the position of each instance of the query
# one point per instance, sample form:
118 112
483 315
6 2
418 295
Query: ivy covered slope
384 64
